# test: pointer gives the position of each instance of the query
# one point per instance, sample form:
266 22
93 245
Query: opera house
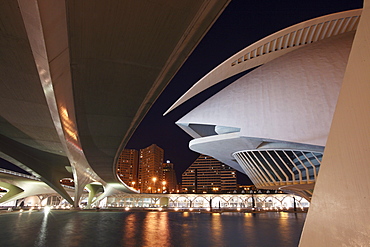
272 124
296 120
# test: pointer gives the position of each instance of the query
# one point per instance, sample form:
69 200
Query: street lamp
154 180
164 186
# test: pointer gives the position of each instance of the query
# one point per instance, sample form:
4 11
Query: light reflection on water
88 228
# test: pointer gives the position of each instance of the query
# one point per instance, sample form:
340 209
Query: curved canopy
275 45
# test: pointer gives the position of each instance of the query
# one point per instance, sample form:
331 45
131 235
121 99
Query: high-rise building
127 167
209 175
169 178
150 169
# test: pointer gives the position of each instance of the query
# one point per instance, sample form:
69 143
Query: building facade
169 178
311 92
127 167
208 175
272 123
151 169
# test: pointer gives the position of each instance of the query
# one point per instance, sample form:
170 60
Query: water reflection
216 228
41 239
61 228
130 230
156 231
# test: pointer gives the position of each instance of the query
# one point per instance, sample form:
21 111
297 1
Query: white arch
275 45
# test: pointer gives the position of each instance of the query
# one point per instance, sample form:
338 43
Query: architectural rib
275 45
273 165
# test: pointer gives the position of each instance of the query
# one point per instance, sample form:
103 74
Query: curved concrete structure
273 123
78 77
276 45
293 106
19 186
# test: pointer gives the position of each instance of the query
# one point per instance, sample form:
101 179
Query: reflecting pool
90 228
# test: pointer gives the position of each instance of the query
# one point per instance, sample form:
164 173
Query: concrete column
12 191
94 189
81 180
339 214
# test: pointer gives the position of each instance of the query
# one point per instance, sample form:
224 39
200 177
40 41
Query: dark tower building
150 169
209 175
127 167
169 178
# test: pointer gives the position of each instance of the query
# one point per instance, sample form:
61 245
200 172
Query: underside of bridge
77 77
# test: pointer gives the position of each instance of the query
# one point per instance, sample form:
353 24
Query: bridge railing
2 170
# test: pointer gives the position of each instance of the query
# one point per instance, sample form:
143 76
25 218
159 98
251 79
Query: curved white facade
274 46
287 103
294 124
291 98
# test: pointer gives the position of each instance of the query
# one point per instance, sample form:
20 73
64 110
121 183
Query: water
88 228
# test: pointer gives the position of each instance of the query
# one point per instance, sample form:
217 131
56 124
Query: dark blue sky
242 23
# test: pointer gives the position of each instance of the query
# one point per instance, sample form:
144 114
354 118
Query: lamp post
154 180
164 186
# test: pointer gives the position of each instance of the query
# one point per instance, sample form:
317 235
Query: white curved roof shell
290 99
276 45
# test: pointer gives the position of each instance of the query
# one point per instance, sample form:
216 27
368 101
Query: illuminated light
160 209
127 208
208 209
47 209
238 208
190 209
64 112
176 209
21 210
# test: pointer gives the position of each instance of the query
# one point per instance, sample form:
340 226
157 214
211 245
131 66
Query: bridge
34 193
78 77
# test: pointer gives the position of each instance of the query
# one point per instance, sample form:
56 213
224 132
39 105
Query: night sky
242 23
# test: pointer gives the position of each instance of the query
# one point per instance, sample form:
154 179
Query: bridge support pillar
345 171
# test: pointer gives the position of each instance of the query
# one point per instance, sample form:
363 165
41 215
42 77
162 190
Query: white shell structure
285 104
